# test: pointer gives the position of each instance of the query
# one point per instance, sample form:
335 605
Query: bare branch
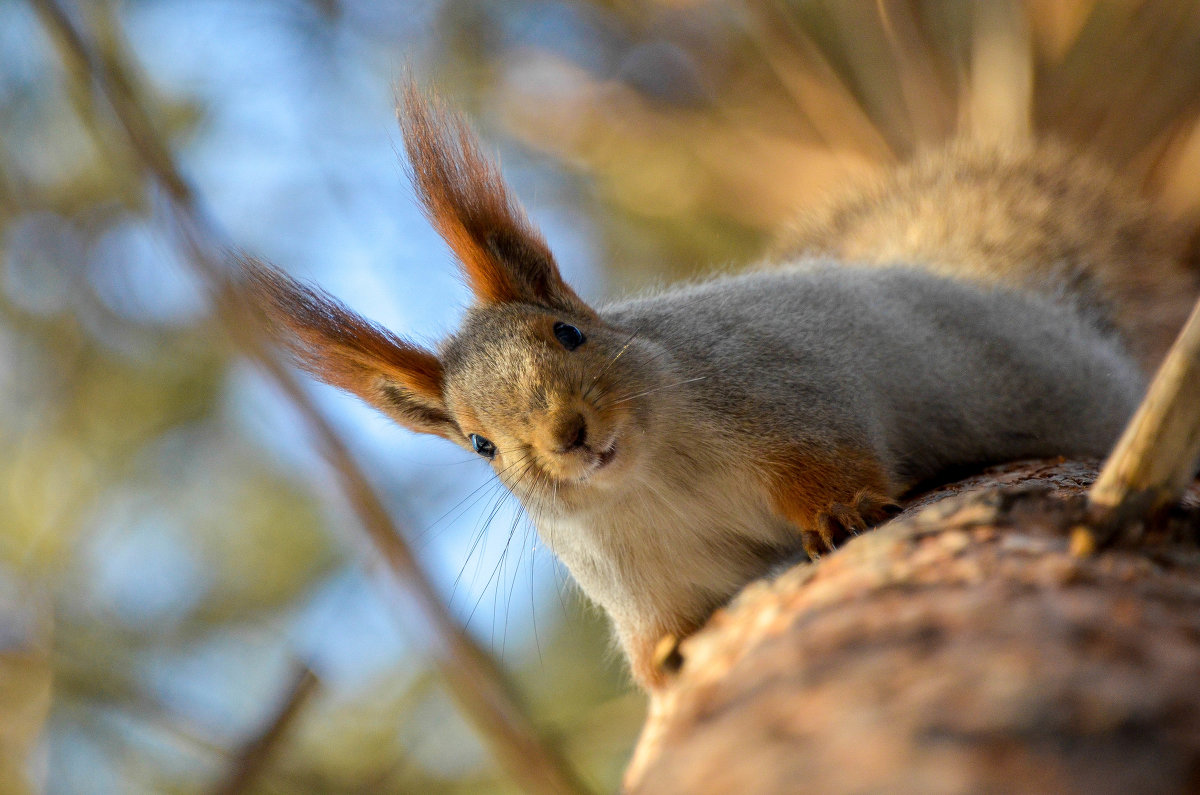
1155 459
255 755
958 648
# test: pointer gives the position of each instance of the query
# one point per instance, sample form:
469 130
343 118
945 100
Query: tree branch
960 647
255 755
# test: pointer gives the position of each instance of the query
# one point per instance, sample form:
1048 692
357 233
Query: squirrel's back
1039 218
925 373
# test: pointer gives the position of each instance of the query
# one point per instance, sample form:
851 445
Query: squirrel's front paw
840 520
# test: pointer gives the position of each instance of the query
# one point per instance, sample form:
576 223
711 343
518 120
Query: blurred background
174 553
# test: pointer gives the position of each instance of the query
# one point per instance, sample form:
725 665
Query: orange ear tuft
348 351
462 193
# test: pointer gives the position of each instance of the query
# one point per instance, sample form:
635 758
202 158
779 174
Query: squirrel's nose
570 432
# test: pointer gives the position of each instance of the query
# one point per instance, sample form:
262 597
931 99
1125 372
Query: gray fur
929 373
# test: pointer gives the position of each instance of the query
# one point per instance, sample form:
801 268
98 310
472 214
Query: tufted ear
348 351
462 193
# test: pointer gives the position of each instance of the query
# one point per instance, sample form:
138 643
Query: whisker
547 495
497 590
629 341
544 489
499 491
520 554
656 389
421 537
539 492
477 538
613 360
537 640
498 567
657 356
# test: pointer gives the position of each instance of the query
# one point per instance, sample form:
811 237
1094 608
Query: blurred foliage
163 551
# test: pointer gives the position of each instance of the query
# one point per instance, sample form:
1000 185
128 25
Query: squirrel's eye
570 337
482 446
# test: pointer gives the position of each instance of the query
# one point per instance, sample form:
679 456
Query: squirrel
980 305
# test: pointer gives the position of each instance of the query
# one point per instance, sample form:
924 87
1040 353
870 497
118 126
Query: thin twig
255 755
473 678
1156 457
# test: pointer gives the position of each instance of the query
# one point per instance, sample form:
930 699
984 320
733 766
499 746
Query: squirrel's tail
1028 216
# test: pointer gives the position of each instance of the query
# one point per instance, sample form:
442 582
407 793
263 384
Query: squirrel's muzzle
569 432
572 442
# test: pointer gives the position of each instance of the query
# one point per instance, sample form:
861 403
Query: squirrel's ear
348 351
462 193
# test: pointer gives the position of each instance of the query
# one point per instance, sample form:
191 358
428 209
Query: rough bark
962 647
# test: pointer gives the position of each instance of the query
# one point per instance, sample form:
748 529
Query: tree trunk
960 648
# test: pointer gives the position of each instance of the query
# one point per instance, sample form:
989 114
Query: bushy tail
1030 216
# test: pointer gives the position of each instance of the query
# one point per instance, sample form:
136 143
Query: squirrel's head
534 381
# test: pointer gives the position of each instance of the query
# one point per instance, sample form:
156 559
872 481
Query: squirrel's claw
840 521
812 542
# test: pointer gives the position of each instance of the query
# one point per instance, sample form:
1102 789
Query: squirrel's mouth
581 464
598 451
606 456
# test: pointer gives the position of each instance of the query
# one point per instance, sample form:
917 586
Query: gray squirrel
982 304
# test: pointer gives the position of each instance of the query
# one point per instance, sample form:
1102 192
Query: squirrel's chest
667 552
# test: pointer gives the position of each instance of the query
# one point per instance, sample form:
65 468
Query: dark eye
482 446
570 337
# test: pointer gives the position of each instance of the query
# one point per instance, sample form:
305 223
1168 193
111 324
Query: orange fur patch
844 489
